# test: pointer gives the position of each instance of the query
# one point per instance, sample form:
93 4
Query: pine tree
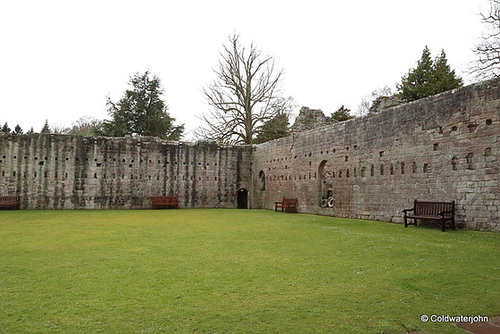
428 78
18 129
5 128
444 77
276 127
46 127
141 111
342 114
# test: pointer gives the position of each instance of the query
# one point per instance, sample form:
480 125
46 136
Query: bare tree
85 126
367 101
243 95
488 51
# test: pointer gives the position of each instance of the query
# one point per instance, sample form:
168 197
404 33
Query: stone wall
440 148
74 172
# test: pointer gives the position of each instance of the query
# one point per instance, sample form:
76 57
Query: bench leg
452 224
406 221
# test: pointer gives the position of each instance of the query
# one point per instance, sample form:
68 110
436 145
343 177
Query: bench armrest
408 210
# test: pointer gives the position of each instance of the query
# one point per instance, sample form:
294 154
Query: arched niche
262 181
325 184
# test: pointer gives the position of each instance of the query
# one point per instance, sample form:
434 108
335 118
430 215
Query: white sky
60 59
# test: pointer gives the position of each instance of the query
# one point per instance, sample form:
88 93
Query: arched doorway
262 180
242 201
325 184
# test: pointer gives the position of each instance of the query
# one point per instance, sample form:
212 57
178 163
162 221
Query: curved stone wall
441 148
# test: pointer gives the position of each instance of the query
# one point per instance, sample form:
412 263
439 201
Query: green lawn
237 271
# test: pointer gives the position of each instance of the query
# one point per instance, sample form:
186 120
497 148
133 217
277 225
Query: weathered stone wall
74 172
441 148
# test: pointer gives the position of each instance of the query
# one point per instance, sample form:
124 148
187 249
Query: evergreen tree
5 128
46 127
445 78
276 127
342 114
428 78
141 111
18 129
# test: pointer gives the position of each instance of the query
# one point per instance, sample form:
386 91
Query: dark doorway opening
242 198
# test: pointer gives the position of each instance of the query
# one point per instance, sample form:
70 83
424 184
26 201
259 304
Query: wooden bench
9 202
164 202
441 211
287 204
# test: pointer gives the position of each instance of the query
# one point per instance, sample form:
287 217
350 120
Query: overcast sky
60 59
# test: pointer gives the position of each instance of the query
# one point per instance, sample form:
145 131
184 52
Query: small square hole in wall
489 122
435 147
472 127
381 154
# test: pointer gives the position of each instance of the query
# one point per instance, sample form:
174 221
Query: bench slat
288 205
10 202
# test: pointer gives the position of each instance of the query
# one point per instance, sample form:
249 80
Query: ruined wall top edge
127 139
457 98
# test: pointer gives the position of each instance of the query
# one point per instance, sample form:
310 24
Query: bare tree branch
488 50
242 95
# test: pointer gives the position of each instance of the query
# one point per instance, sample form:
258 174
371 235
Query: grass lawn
237 271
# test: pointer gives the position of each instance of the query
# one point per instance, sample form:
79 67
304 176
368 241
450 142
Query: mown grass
237 271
